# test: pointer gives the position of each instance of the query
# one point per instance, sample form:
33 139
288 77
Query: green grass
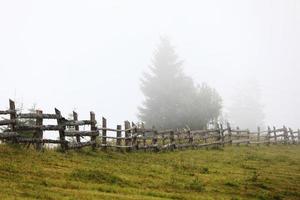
233 173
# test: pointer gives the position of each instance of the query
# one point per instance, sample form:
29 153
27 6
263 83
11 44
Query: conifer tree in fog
171 98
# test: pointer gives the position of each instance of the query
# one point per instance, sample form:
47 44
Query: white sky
90 55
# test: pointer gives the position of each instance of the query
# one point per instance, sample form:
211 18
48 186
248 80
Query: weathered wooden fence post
39 132
119 135
292 135
163 138
154 138
205 137
138 134
172 140
13 116
144 136
238 135
275 134
222 134
190 136
76 127
127 135
248 136
269 135
179 135
62 128
93 129
229 133
285 133
134 136
258 135
104 131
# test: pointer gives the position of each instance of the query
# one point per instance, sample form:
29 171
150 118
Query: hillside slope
233 173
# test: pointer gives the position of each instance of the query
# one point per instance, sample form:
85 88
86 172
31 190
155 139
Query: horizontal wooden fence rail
29 128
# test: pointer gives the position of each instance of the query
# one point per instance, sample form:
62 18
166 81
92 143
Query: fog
90 55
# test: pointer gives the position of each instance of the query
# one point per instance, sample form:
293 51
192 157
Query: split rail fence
130 137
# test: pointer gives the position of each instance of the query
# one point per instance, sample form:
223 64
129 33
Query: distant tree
207 106
246 110
171 98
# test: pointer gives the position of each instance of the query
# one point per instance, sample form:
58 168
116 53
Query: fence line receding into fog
131 137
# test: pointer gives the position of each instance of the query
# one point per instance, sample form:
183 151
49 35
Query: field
231 173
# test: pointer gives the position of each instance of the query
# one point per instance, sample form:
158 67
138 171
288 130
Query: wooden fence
131 137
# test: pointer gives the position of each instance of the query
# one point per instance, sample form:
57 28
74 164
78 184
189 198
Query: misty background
90 55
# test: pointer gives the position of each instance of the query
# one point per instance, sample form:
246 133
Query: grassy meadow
231 173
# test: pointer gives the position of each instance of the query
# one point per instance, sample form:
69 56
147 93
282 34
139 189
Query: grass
265 173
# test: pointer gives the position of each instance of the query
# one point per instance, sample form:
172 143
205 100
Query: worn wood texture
104 125
8 135
134 136
39 133
6 112
275 134
81 145
269 135
93 123
229 133
60 122
238 134
285 132
119 135
42 141
154 138
127 133
36 115
39 127
222 135
13 115
76 128
292 136
77 123
81 134
8 122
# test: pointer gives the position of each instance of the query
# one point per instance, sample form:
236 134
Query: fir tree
171 98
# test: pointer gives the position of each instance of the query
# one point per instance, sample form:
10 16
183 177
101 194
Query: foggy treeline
175 100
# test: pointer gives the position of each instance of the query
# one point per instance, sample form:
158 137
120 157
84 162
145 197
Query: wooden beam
8 135
81 133
6 112
35 115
